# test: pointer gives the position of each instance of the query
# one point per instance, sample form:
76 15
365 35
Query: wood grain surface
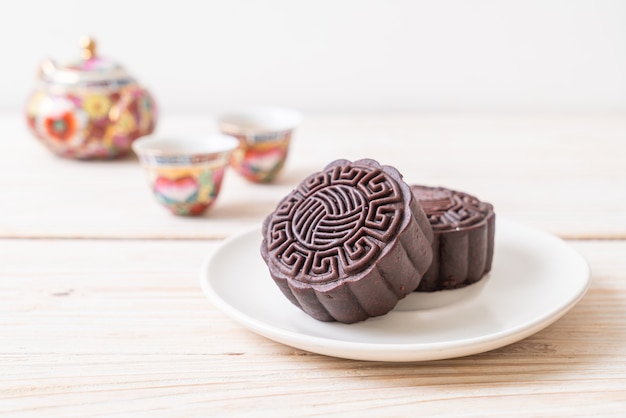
562 174
101 312
114 327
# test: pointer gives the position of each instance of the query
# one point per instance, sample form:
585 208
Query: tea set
92 108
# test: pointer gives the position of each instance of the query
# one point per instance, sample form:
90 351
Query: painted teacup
185 173
264 135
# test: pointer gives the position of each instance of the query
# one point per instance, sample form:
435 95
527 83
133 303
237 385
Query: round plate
535 279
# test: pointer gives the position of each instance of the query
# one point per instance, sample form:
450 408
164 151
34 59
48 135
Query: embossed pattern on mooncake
464 229
348 242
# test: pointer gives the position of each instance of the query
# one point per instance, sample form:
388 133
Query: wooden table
101 312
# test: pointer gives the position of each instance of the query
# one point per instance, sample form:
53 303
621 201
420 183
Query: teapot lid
89 68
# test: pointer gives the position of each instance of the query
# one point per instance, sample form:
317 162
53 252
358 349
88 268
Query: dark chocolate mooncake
464 229
348 242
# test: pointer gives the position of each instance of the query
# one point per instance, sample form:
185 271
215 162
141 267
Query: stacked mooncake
353 239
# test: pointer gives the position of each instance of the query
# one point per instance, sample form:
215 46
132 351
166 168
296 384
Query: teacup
185 173
264 134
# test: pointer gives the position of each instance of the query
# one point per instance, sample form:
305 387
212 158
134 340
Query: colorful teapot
89 109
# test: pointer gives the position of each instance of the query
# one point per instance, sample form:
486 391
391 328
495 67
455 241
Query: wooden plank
119 327
562 173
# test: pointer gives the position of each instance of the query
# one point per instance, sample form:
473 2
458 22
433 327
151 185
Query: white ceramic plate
536 278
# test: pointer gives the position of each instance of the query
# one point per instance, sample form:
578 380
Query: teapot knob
88 46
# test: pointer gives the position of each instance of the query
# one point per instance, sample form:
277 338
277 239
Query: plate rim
395 352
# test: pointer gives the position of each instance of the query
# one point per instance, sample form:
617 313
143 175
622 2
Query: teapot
89 109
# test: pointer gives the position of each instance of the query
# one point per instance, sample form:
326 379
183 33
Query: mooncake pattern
348 242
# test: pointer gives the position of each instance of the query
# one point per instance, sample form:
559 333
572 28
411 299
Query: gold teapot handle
46 68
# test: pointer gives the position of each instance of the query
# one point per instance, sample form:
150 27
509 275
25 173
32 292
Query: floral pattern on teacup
260 162
187 191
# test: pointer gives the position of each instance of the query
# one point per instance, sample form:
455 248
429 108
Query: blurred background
336 55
